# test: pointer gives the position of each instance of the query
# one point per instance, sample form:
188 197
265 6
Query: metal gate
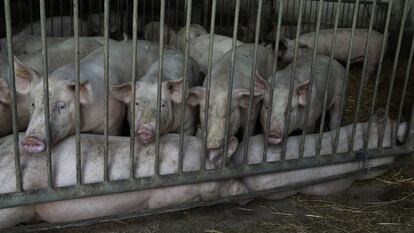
301 16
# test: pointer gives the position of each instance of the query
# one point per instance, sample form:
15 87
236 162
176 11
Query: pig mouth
274 138
145 136
33 145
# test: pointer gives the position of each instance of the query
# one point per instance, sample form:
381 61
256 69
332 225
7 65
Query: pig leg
334 114
371 70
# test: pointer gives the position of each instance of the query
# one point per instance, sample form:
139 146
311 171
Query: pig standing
58 55
62 26
195 31
240 95
199 48
92 92
34 174
300 97
171 99
280 179
307 41
152 33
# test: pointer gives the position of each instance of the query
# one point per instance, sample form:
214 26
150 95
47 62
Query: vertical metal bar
345 83
77 93
378 76
395 66
404 93
273 79
328 81
133 89
15 122
80 14
106 80
160 65
99 14
184 85
295 57
311 79
46 91
252 80
208 79
230 84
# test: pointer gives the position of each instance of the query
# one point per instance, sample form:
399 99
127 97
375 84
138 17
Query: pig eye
136 104
163 105
60 107
33 105
267 107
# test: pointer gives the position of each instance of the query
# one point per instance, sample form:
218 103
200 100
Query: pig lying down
195 31
34 175
307 41
171 97
275 180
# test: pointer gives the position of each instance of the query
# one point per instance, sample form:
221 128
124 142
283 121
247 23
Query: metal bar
208 79
328 81
87 190
46 91
291 81
378 76
252 80
345 83
80 14
230 91
159 90
395 66
273 80
77 92
133 89
312 77
12 83
404 93
106 85
184 86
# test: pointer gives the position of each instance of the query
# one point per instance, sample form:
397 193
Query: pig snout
33 145
275 136
146 133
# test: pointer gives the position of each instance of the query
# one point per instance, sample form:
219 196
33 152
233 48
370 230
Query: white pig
307 41
57 30
92 92
34 174
152 33
301 86
26 44
195 31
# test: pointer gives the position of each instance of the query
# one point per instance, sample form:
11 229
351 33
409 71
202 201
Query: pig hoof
33 145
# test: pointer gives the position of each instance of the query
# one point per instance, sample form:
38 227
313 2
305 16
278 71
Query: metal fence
375 14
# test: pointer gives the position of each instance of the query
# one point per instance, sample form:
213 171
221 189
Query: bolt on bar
77 92
328 81
345 83
404 92
273 79
12 83
208 79
46 91
291 81
230 91
133 89
363 81
159 90
312 76
106 80
184 85
378 76
395 66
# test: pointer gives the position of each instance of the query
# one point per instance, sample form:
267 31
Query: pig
195 31
307 41
58 55
57 26
290 178
301 86
146 97
92 91
96 23
24 45
152 33
199 48
34 174
240 94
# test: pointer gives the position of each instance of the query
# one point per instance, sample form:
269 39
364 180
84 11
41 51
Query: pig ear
25 76
4 92
302 92
283 44
195 96
122 92
176 90
243 95
85 92
261 85
232 146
